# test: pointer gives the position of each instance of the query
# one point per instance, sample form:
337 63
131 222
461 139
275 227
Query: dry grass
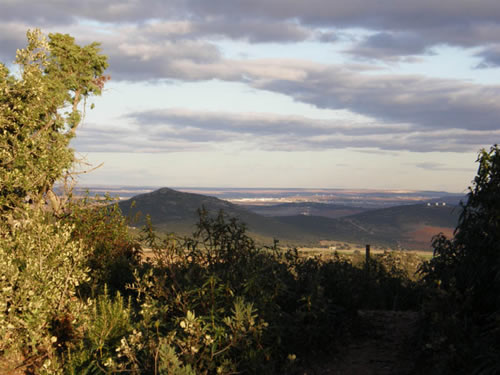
321 251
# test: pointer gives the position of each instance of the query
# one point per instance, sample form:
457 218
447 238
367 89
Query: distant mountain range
406 226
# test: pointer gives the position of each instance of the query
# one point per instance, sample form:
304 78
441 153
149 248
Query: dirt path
383 346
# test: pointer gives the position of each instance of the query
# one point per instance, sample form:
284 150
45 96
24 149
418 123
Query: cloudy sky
282 93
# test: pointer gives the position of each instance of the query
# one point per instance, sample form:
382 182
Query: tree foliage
470 262
40 109
464 276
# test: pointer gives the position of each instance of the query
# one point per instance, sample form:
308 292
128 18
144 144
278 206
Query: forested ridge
77 296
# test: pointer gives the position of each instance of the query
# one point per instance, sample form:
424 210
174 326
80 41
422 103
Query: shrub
41 267
114 254
108 342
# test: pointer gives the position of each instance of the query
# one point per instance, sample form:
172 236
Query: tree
40 110
470 262
465 272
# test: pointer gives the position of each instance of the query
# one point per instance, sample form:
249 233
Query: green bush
41 268
105 346
100 226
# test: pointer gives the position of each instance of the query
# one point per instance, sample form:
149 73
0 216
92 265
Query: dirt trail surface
383 346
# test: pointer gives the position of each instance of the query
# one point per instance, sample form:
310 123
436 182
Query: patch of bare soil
422 237
384 345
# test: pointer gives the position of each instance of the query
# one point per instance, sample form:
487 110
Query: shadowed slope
175 211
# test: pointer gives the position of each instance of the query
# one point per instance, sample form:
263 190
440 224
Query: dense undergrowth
216 303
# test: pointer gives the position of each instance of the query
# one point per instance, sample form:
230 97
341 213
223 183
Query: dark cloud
253 31
136 61
401 29
41 13
98 138
490 57
456 22
258 124
429 165
379 15
436 166
382 14
327 36
472 140
390 46
12 37
294 133
53 12
428 102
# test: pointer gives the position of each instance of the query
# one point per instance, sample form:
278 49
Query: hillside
175 211
408 226
306 208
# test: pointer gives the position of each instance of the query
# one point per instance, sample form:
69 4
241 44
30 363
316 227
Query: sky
281 93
